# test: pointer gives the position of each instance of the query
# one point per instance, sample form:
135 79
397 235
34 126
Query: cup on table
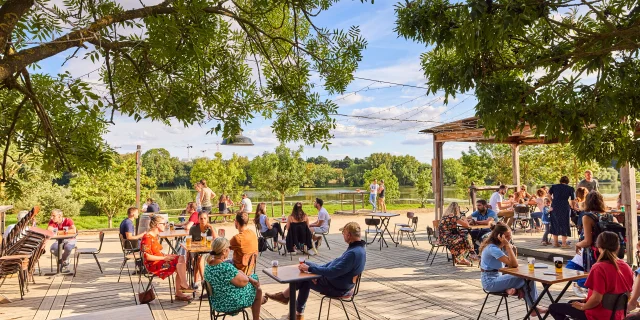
221 233
209 239
55 231
203 238
274 267
557 262
474 219
66 229
301 260
189 241
531 263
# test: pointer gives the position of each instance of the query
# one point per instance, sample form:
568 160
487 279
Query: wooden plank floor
397 284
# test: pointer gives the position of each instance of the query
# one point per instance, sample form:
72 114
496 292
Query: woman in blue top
496 253
266 228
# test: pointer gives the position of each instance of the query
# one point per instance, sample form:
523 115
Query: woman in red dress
163 265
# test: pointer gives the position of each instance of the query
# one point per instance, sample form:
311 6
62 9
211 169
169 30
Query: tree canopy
213 63
568 68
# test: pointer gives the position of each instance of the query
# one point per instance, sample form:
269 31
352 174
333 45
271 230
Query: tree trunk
272 213
110 217
282 202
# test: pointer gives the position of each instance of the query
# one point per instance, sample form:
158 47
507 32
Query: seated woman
610 276
233 289
267 229
459 243
163 265
496 252
522 194
299 234
196 232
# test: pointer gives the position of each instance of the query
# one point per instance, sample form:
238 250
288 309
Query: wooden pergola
470 130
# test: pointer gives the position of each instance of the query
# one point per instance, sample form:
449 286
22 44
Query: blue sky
387 58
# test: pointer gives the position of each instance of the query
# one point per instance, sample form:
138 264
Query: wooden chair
432 237
91 251
324 234
410 231
347 298
375 223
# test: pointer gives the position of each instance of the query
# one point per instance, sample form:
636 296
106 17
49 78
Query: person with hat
338 276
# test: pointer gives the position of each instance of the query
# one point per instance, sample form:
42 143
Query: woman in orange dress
163 265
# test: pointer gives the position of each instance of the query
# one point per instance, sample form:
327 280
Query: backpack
262 244
606 224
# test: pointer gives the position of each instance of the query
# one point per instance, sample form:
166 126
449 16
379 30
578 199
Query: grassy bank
86 222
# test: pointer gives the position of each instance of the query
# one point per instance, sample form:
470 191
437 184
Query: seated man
128 230
503 209
337 276
244 243
482 216
59 222
322 225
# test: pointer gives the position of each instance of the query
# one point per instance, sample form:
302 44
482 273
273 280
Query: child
545 221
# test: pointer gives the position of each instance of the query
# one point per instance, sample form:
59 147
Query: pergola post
628 179
437 174
515 164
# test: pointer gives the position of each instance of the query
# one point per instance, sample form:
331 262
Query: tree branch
9 135
10 13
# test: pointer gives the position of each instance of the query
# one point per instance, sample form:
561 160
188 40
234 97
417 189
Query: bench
213 217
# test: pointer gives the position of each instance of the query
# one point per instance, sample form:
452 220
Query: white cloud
338 143
351 98
417 139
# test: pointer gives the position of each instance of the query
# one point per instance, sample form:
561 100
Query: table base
292 301
545 290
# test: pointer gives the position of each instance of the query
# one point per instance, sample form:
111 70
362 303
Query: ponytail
610 244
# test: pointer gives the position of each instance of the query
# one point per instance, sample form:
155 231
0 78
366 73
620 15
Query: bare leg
181 274
564 240
257 304
285 293
198 275
555 239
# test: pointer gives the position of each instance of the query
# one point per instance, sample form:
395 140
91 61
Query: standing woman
459 243
198 188
222 204
561 211
229 203
266 228
163 265
382 190
609 276
205 196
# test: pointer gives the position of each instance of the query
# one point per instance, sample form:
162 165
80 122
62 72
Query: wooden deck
397 284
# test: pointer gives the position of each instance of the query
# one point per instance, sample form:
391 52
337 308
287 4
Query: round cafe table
60 238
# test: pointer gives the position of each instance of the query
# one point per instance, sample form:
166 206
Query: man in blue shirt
482 216
338 276
127 229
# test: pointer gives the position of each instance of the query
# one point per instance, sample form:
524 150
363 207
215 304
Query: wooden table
567 275
290 275
139 312
176 234
60 238
385 217
197 249
475 227
3 218
341 194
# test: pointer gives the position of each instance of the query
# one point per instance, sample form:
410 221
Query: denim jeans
496 282
322 286
545 236
536 218
372 200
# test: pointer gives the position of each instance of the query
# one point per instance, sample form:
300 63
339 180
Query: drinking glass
189 241
557 262
55 231
301 260
66 229
209 238
531 263
203 237
274 267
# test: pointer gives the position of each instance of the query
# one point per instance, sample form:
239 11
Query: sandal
463 262
556 245
184 298
544 243
264 299
566 246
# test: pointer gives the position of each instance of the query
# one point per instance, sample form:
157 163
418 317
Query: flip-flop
564 246
556 245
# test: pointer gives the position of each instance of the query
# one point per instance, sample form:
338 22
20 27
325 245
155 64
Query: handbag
146 296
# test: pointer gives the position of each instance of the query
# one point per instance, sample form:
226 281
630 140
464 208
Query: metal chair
150 276
91 251
503 296
128 253
270 246
432 238
213 313
410 231
615 302
324 234
410 216
375 223
348 298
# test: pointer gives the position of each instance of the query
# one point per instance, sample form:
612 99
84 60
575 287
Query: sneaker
278 297
579 292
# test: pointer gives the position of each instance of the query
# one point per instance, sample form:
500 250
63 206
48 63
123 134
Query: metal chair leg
95 256
326 241
329 309
356 308
343 308
485 302
320 312
499 304
124 262
506 305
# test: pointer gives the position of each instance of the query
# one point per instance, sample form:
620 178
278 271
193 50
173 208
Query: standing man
505 211
373 192
338 276
59 222
588 181
127 229
152 206
482 216
245 204
322 224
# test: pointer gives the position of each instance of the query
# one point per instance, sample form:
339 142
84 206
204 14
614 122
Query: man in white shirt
503 210
322 224
245 204
373 193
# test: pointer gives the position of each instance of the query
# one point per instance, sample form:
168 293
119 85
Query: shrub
48 196
175 199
